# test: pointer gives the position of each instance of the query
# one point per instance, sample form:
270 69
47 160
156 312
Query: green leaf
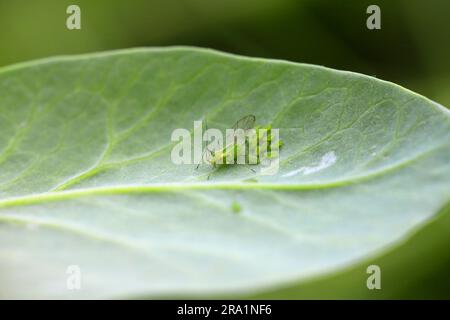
86 177
416 268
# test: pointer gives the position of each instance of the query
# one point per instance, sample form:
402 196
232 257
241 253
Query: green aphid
236 207
246 123
219 156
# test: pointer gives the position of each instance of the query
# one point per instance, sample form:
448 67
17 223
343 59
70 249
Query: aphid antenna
203 153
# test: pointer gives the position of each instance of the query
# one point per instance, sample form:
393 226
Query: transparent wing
245 123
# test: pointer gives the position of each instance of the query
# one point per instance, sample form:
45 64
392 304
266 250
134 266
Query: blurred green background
412 49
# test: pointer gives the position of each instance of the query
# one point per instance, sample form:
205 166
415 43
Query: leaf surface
86 177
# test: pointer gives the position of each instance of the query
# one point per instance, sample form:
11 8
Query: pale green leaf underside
86 177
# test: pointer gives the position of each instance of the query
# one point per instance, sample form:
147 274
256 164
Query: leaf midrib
60 192
174 187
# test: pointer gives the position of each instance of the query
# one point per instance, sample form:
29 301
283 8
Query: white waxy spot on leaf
327 160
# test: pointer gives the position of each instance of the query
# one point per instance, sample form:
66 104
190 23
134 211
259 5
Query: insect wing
245 123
